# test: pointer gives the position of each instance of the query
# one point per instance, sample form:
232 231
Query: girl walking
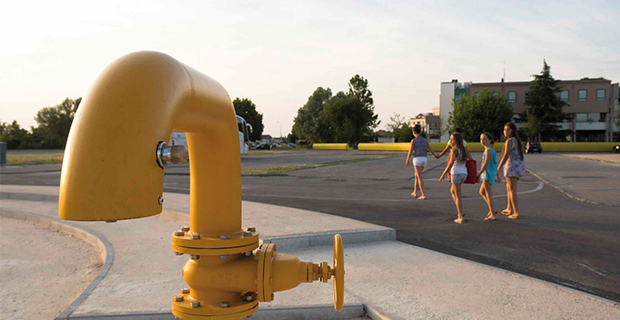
458 172
514 168
488 173
419 147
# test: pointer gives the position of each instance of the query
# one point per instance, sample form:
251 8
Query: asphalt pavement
564 236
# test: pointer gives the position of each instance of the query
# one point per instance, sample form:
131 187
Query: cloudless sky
276 53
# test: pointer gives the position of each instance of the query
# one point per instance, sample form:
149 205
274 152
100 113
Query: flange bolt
185 290
195 304
185 228
178 298
195 236
179 233
224 304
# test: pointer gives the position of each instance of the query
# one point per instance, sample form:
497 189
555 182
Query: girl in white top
458 171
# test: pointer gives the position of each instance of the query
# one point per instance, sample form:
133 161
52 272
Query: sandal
513 216
506 212
422 198
489 218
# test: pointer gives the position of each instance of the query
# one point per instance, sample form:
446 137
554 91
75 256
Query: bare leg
508 210
486 189
459 202
513 197
420 181
415 184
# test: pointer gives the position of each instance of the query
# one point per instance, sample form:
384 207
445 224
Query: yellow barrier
578 146
331 146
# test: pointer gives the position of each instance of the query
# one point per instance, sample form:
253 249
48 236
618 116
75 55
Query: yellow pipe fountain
141 98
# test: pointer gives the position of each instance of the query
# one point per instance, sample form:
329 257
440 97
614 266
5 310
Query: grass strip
24 159
290 168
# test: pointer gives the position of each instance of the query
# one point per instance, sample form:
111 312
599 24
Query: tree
55 122
12 134
345 117
400 129
310 125
247 109
544 107
477 114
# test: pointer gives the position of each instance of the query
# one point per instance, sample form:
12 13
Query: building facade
590 103
430 124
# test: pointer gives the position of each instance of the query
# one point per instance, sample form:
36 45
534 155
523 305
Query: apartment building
590 101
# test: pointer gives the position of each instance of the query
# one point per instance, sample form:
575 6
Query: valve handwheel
338 273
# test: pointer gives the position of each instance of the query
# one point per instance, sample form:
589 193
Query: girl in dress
458 172
488 173
514 168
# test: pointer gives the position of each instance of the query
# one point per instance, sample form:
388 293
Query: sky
276 53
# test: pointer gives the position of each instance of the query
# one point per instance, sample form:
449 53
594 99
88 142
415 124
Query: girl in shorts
419 147
458 172
488 173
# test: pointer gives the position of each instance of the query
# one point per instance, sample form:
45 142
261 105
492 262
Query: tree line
51 132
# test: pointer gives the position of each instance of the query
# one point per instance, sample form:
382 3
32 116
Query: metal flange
197 244
266 254
187 308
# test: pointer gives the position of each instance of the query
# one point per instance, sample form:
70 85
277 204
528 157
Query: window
582 95
601 94
564 95
581 117
512 96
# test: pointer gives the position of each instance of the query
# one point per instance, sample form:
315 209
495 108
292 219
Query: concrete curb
300 241
318 312
564 192
28 196
105 247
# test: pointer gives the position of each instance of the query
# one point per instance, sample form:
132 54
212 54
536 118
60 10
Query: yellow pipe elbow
110 170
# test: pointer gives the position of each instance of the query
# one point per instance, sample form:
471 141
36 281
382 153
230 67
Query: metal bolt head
195 304
178 298
224 304
224 257
185 228
178 253
185 290
179 233
253 229
248 253
195 236
247 234
194 257
160 200
224 237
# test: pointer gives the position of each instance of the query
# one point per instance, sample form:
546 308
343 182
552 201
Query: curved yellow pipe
110 170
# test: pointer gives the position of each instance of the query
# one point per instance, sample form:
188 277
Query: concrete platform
383 276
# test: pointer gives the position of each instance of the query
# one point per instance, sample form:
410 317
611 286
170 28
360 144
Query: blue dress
490 173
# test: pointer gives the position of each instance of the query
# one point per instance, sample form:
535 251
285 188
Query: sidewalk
395 279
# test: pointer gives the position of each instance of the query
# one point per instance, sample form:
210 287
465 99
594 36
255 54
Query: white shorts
420 161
